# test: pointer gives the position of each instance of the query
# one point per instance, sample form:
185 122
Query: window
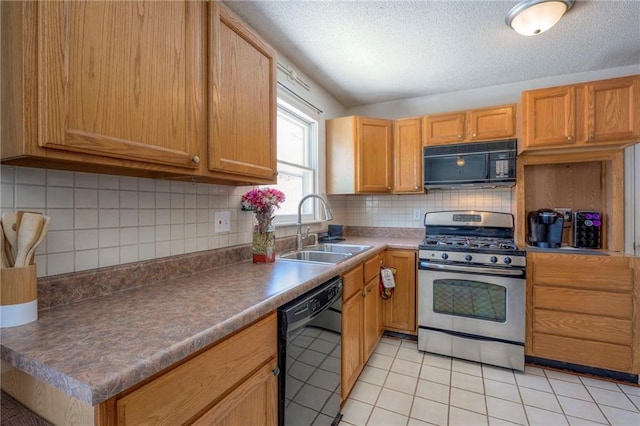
297 137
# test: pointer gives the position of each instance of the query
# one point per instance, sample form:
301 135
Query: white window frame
310 211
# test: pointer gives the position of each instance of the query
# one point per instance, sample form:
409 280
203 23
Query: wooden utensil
4 262
28 234
10 235
46 220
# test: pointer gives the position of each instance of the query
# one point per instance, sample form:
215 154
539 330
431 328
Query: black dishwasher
309 345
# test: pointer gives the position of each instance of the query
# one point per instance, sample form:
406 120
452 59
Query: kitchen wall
397 211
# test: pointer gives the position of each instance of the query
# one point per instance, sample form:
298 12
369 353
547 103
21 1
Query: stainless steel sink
325 253
315 256
339 248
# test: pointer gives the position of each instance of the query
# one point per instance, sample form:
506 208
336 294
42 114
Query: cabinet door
370 317
254 402
374 151
612 110
407 156
491 123
443 128
352 345
242 114
549 117
122 79
400 309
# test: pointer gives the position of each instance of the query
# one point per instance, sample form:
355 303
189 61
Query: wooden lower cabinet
583 309
352 319
361 328
399 312
225 384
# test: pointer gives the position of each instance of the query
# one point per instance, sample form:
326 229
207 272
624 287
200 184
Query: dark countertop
94 349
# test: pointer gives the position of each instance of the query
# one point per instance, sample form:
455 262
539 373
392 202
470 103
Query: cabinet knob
474 135
569 138
389 188
195 159
592 135
276 371
415 187
459 136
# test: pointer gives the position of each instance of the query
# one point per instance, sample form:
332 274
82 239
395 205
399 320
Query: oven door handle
472 269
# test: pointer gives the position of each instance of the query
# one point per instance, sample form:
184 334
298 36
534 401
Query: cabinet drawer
581 326
617 305
183 392
583 352
352 282
371 269
592 272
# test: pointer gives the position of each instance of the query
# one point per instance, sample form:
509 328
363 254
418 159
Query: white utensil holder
18 296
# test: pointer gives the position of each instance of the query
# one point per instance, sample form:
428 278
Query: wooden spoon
10 233
4 262
28 234
46 220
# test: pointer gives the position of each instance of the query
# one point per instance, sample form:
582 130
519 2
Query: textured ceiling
365 52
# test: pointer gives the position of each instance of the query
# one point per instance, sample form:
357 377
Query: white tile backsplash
103 220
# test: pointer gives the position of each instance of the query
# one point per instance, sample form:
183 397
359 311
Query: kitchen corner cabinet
242 113
399 312
407 156
225 384
359 155
361 329
480 124
583 309
121 88
604 113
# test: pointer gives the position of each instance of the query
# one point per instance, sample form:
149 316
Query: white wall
481 97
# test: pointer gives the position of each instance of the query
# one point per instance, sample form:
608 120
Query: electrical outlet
565 212
416 214
222 222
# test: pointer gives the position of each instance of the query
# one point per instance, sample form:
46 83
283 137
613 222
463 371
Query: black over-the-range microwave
470 165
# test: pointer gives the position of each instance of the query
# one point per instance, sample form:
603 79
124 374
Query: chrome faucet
327 214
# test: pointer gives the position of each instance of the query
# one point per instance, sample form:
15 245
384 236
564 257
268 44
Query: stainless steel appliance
309 345
545 228
471 287
478 165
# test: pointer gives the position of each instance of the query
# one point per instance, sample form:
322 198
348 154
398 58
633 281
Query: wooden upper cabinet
444 128
242 112
121 79
466 126
491 123
612 110
603 113
407 156
549 117
359 155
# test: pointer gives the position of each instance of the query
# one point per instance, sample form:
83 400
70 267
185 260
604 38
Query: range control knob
493 259
507 260
314 305
468 258
445 256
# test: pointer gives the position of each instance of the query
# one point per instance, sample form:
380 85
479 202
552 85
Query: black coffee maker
545 228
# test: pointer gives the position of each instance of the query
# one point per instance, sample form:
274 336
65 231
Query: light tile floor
403 386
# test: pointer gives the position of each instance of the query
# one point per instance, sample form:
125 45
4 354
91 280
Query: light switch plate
416 214
222 222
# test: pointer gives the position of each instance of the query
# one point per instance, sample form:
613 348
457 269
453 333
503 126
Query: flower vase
264 241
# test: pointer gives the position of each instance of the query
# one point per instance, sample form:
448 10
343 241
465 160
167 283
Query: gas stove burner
469 243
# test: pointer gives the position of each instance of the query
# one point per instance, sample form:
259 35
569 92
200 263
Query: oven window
471 299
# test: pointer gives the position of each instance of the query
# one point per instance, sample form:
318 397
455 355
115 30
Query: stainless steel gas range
472 287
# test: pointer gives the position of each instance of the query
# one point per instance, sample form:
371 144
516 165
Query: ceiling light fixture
531 17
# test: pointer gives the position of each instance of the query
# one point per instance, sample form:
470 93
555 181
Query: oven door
475 305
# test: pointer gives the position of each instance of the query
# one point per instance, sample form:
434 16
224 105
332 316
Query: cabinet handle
592 135
195 159
368 290
363 294
276 371
569 138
